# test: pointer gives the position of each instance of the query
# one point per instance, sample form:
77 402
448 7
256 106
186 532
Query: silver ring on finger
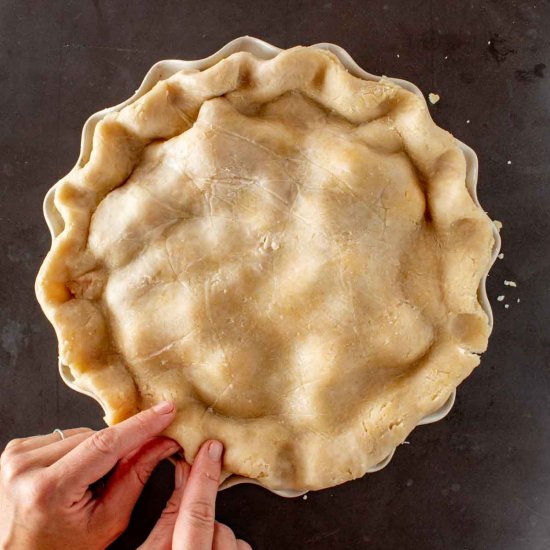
60 432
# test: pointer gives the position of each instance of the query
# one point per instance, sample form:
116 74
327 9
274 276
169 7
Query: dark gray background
479 479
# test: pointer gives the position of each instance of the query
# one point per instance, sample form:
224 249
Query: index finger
195 524
96 456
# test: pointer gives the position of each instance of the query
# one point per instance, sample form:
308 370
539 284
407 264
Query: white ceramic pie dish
165 69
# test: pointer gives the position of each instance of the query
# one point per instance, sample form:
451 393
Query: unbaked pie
287 251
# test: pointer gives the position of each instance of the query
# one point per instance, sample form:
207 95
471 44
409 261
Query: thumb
161 536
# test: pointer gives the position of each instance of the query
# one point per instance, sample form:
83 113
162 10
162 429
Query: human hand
47 499
45 496
188 521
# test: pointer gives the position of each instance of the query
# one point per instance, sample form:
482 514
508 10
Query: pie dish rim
165 68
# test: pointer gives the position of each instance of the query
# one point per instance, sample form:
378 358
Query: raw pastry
285 250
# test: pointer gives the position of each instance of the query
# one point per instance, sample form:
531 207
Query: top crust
286 251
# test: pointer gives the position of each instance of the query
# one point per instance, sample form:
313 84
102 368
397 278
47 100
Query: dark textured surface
479 479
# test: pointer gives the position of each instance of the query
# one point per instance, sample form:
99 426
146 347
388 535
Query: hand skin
46 501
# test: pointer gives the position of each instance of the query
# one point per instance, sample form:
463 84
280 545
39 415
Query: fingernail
215 450
179 475
173 447
164 407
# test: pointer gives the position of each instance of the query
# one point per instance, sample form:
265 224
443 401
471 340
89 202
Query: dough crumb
501 256
434 98
517 300
468 121
510 283
500 298
506 306
509 162
397 55
304 497
498 224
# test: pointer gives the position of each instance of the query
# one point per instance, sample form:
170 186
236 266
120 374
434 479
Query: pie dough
286 251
